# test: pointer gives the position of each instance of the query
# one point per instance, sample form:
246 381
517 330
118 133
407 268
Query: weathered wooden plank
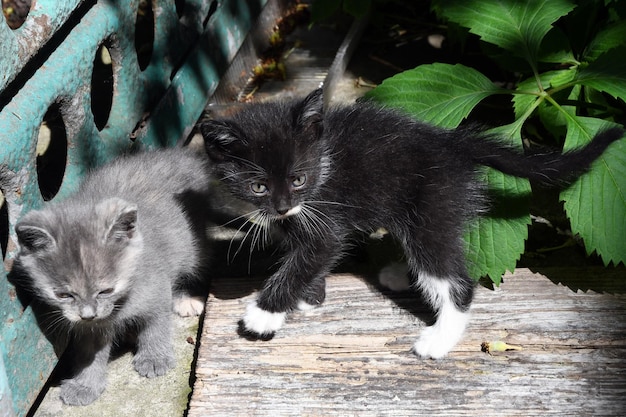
351 356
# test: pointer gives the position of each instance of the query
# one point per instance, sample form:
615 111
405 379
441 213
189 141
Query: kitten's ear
222 139
32 236
120 219
311 112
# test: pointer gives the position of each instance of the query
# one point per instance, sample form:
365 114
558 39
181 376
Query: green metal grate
81 82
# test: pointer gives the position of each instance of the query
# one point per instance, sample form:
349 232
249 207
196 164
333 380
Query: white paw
438 340
187 306
262 322
304 306
395 276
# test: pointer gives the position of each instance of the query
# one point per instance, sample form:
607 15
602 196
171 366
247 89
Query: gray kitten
115 258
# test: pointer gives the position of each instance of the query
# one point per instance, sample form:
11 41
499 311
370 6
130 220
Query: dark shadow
189 35
600 279
366 260
4 224
209 48
194 360
550 250
502 206
21 281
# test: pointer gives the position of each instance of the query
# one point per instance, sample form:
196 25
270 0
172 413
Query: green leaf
356 8
552 119
607 39
526 95
323 9
607 73
441 94
495 242
555 48
518 27
511 133
596 202
561 78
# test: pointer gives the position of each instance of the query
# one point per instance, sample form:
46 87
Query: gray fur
114 257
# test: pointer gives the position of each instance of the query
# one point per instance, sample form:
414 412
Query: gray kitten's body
115 257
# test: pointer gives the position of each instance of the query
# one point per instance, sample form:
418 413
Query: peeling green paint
171 91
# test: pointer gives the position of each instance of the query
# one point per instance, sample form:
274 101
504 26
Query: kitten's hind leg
189 295
450 299
395 276
187 305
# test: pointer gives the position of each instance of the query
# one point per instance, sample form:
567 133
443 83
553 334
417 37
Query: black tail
551 168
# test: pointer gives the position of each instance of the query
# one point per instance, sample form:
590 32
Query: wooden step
351 356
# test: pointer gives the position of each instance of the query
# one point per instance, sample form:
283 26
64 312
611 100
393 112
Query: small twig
385 63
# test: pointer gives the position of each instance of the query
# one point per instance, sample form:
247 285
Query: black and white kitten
321 176
117 256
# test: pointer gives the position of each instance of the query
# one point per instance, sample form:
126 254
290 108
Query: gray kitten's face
80 260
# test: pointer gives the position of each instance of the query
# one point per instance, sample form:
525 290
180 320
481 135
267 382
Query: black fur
367 167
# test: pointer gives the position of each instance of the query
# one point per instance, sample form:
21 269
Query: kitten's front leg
89 381
155 354
266 315
298 283
313 295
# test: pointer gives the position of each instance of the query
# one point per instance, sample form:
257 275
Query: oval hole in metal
180 8
51 153
4 224
212 9
15 12
144 33
102 87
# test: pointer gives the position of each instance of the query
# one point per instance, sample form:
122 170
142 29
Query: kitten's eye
64 296
258 188
299 181
105 293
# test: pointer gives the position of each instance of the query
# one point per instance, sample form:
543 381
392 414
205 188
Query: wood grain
351 357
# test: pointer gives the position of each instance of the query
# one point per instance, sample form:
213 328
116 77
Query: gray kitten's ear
310 112
33 237
222 139
120 219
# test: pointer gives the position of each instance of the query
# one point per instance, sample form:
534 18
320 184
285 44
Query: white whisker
246 216
258 232
336 203
315 221
249 220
